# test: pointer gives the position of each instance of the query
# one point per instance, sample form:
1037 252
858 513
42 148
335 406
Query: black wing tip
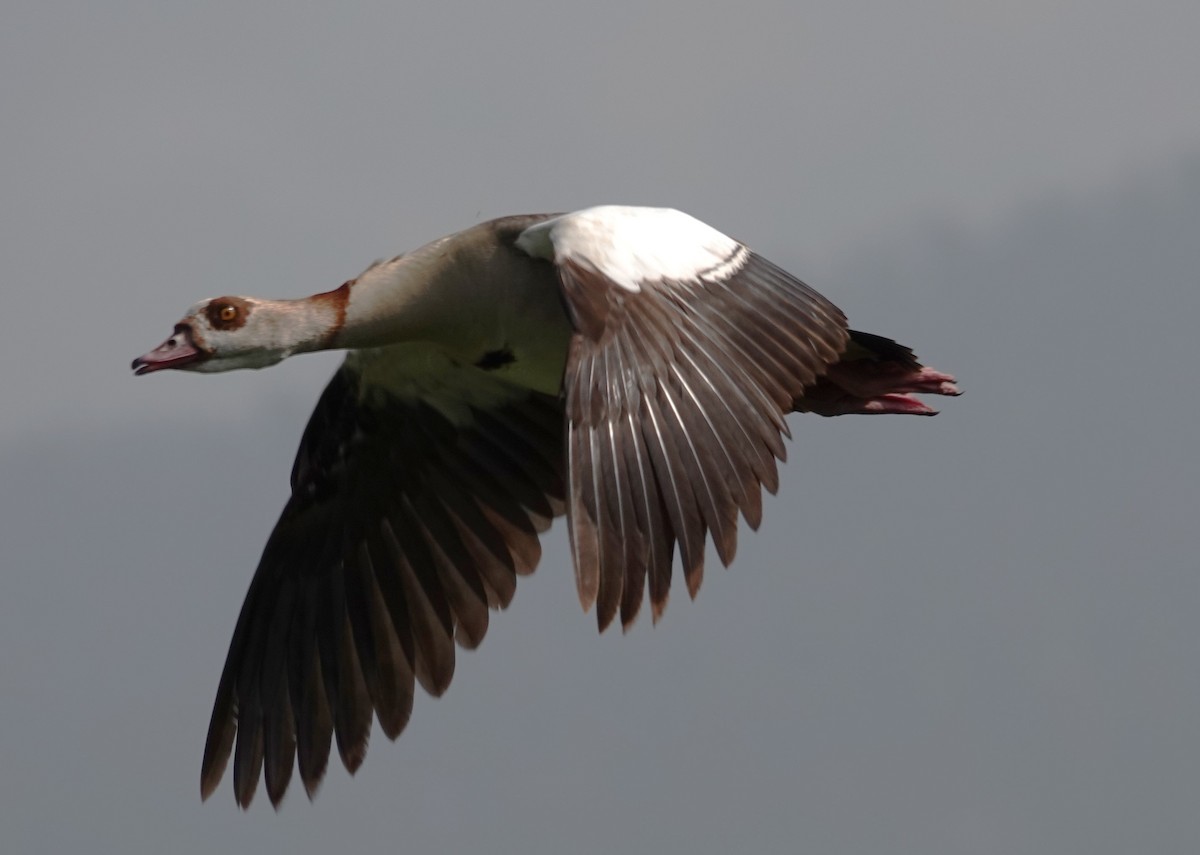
217 749
208 787
312 782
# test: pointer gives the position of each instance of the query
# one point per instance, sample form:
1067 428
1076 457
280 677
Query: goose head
228 333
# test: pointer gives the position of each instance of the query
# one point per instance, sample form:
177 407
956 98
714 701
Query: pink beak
176 352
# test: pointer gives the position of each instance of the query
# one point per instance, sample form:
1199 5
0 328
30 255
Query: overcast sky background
975 633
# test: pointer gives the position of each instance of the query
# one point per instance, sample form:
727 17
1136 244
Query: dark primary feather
401 531
675 397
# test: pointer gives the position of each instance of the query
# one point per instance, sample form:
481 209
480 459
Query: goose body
629 367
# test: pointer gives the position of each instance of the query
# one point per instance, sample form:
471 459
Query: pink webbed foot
878 377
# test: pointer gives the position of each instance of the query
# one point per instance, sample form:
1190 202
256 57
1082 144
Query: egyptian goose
631 367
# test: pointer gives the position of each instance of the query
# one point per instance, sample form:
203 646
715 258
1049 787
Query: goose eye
226 313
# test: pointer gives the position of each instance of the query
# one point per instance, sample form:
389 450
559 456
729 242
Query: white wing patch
633 246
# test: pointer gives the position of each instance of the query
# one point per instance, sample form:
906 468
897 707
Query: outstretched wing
407 520
688 352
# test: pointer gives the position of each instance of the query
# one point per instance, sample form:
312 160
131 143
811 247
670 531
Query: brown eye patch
227 313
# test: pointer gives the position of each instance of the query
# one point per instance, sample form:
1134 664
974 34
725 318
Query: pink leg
875 386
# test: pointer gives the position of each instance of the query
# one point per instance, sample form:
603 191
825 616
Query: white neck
298 326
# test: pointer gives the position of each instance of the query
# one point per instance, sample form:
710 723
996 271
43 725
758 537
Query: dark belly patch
494 359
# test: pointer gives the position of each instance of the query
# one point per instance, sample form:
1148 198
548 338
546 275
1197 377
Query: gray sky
981 638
